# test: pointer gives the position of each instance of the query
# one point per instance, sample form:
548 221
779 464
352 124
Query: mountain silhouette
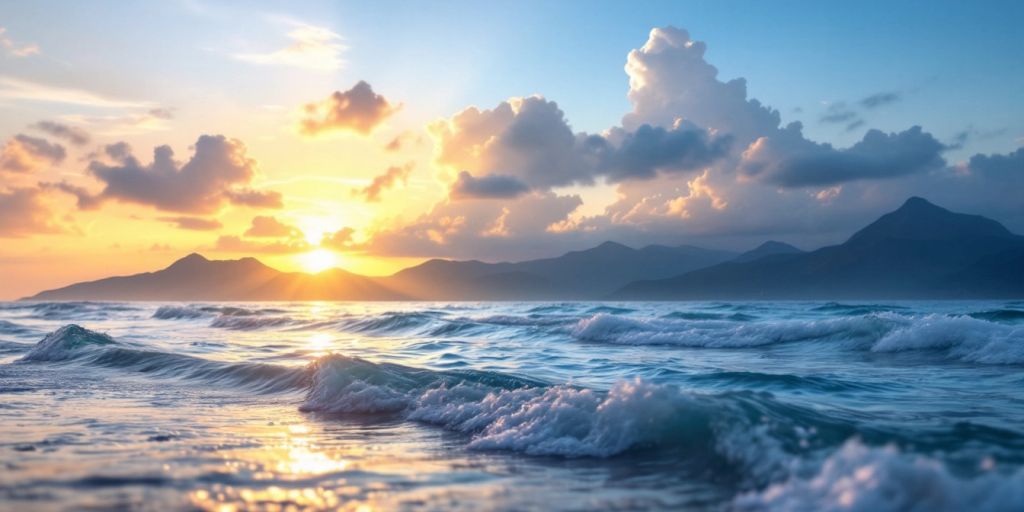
197 278
918 251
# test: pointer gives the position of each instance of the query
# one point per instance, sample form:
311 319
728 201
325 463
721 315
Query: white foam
557 420
962 337
858 478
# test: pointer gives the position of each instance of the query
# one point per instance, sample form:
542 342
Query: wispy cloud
17 89
312 47
20 50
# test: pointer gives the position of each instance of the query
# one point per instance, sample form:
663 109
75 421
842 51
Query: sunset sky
372 135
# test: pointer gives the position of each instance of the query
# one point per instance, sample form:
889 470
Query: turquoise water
547 406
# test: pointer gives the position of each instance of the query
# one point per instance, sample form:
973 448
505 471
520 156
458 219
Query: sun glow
318 260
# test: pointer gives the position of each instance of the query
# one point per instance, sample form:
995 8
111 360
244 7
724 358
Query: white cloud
311 47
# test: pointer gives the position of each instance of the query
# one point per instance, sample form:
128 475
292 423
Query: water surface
553 406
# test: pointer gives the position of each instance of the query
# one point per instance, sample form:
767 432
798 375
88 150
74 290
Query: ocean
745 406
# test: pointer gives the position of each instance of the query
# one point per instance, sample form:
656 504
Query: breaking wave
962 338
858 478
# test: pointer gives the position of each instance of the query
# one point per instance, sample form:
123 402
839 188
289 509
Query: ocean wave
750 432
193 311
699 315
722 334
13 328
73 343
66 343
961 338
855 309
391 322
70 310
858 478
250 323
999 315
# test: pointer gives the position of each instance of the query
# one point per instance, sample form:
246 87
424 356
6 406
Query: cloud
650 149
358 110
85 199
529 140
839 113
391 177
255 198
1000 167
312 47
23 212
16 89
217 173
880 99
490 186
230 243
24 153
790 160
341 239
400 140
269 227
71 134
16 49
669 79
193 223
485 229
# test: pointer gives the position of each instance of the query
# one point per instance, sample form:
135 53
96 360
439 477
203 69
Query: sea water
548 406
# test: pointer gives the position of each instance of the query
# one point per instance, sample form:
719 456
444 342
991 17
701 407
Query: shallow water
551 406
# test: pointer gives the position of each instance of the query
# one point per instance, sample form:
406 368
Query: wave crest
858 478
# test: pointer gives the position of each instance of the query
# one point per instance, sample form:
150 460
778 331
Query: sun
318 260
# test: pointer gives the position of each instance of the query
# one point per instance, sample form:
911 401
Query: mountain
587 274
197 278
769 248
918 251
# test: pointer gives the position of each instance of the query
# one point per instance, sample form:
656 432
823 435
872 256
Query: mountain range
917 251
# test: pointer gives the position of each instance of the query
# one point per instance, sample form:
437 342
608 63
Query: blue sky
955 64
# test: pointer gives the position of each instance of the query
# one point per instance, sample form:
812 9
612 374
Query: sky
374 135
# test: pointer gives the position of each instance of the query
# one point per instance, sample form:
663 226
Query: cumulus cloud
71 134
392 177
269 227
193 223
790 160
358 110
24 153
489 186
23 212
311 47
217 173
528 142
669 79
15 48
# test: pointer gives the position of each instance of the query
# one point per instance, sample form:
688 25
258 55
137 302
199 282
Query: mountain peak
769 248
919 219
191 260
